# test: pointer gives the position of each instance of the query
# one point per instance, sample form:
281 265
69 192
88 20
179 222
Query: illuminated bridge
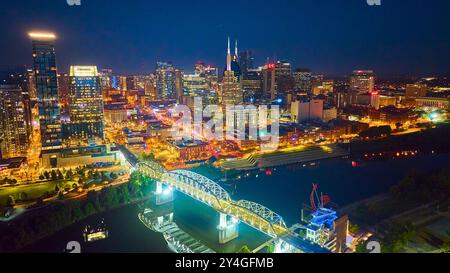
231 212
212 194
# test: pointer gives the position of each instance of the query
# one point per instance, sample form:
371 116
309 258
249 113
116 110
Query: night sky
401 37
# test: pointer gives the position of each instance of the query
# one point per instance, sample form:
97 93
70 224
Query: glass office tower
85 104
44 68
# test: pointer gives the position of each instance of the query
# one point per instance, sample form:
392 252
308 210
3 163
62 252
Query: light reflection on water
284 191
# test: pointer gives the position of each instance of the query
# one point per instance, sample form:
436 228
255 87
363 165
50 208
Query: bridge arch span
199 182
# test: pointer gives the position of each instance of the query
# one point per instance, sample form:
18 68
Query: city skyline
207 127
335 46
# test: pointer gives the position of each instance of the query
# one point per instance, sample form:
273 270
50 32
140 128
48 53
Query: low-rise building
189 150
78 156
441 103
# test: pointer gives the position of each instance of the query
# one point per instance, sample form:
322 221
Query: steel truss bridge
212 194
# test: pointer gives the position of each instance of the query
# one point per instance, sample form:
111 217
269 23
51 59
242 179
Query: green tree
69 175
11 201
353 228
113 176
54 175
445 248
125 194
104 177
361 247
89 209
60 175
245 249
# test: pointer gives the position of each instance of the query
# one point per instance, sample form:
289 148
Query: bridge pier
163 194
228 229
284 247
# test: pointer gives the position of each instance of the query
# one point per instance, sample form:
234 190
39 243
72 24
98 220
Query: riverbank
285 157
43 223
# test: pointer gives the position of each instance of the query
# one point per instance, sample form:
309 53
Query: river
283 190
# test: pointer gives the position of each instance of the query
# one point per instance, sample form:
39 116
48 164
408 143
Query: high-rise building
194 84
283 78
234 63
150 88
63 90
252 85
246 61
179 85
106 78
44 68
269 82
362 81
86 104
230 88
13 129
414 91
166 80
31 80
302 80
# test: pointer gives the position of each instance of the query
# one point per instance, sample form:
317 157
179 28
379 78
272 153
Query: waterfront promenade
285 157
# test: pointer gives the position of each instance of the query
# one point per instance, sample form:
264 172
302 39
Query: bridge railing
209 192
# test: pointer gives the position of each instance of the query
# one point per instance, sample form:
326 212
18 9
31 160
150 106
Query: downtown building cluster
73 108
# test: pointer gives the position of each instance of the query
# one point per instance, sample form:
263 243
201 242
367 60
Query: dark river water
283 190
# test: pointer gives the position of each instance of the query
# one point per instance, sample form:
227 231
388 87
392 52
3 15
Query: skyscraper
252 85
166 80
86 104
44 67
179 85
302 80
362 81
283 78
13 129
269 82
230 88
246 62
234 62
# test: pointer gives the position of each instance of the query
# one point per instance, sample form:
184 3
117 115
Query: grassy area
31 192
427 140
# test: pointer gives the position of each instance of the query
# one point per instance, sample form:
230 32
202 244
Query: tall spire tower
229 56
236 51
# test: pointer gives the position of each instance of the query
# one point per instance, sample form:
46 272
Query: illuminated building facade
269 82
252 85
86 104
13 129
106 78
362 81
194 84
307 110
63 90
283 78
44 68
414 91
230 88
302 80
246 61
166 80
